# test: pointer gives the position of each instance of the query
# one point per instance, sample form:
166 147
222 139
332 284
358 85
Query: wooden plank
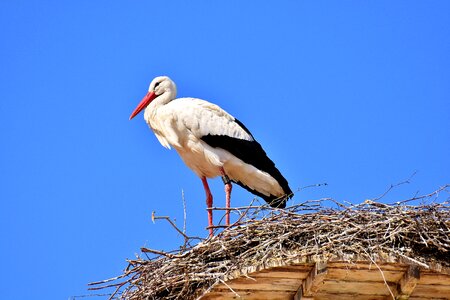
297 272
337 280
263 284
368 266
315 279
427 277
427 298
364 274
299 295
408 283
357 287
248 295
291 275
344 296
268 268
434 290
294 268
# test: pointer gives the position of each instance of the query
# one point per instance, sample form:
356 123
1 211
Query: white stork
212 143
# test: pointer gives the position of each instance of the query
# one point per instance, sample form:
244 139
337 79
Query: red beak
145 101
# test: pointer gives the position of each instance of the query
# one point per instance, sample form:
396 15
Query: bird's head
161 88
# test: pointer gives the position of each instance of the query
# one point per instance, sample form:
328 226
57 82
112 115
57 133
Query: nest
419 234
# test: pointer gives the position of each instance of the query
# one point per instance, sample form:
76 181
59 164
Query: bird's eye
156 85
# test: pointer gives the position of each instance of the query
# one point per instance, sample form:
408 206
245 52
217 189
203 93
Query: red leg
209 202
228 188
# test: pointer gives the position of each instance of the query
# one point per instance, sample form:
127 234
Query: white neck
159 101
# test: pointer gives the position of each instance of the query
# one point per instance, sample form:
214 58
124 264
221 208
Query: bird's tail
273 201
280 202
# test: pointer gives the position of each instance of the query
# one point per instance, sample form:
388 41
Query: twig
394 186
312 185
89 296
184 213
229 287
143 249
381 272
154 217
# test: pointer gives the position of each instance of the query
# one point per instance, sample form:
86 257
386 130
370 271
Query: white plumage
211 142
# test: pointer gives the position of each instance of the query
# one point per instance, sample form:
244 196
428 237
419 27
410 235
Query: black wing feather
253 154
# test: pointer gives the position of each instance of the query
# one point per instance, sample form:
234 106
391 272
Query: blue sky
352 93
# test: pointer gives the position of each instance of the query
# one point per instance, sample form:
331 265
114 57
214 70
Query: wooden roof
336 280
